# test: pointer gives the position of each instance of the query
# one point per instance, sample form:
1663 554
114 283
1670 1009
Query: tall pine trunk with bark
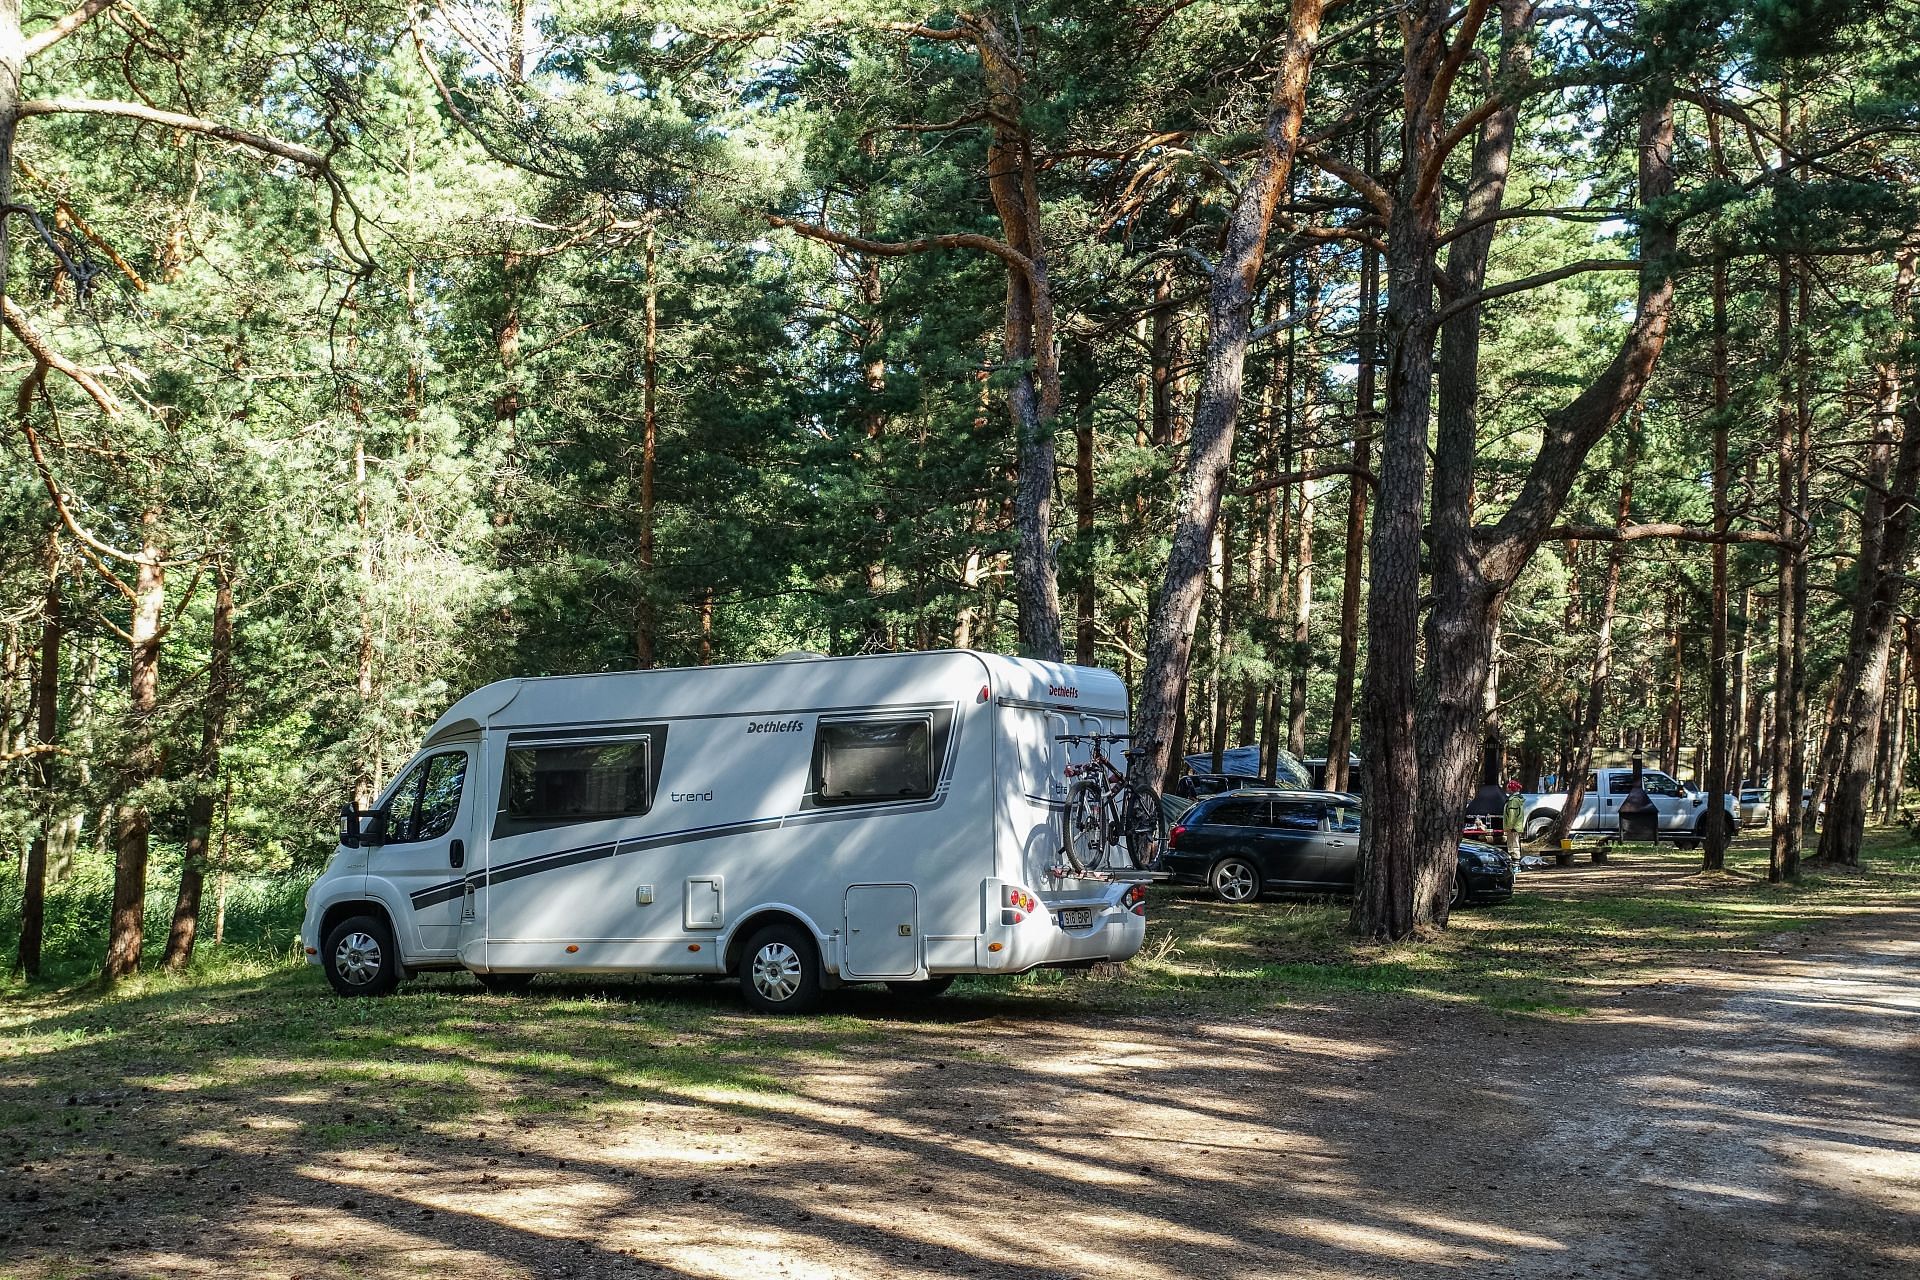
1232 290
133 823
193 862
45 775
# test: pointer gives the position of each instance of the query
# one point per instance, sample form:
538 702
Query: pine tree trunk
1673 723
1893 739
645 639
1230 299
132 821
1861 687
1783 862
1714 853
1086 595
1029 345
33 897
1340 717
1587 735
1302 619
193 864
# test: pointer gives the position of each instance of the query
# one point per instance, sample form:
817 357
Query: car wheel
1459 898
506 984
915 992
1537 828
780 970
1235 880
1686 842
360 958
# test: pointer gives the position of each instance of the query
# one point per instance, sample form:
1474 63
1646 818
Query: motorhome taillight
1136 899
1014 896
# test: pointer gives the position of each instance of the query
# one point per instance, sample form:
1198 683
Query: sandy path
1755 1119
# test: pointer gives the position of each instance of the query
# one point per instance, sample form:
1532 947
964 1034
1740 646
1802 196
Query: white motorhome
798 823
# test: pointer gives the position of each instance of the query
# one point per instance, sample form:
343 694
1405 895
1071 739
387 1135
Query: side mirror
353 835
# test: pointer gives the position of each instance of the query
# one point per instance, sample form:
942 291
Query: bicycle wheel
1083 826
1144 825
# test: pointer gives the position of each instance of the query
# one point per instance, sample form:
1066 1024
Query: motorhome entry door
883 931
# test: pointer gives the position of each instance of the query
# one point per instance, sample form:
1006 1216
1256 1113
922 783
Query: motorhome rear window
873 760
576 782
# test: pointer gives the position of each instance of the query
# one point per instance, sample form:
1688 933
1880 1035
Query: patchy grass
1568 936
442 1055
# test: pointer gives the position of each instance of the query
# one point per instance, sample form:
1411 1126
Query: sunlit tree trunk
1232 291
1340 717
645 638
132 821
193 862
44 773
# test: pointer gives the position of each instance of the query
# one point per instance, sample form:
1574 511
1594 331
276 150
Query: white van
798 824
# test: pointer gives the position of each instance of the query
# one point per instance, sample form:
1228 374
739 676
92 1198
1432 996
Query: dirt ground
1745 1114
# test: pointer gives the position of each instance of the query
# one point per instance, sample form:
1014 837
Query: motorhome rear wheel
780 970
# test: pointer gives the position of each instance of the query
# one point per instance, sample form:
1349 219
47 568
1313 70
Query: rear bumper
1185 868
1114 933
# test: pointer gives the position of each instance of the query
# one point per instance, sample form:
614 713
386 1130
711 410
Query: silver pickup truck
1684 817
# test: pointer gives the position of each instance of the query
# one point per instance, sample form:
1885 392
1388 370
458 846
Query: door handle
457 853
1336 844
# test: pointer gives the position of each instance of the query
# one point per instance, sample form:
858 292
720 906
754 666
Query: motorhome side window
427 800
555 785
873 760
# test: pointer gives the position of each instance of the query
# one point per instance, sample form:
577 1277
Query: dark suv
1244 843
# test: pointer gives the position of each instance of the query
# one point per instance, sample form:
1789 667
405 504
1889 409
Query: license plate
1076 917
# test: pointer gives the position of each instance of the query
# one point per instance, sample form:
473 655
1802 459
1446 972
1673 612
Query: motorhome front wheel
360 958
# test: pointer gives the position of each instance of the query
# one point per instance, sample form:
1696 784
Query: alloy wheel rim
1236 882
357 959
776 971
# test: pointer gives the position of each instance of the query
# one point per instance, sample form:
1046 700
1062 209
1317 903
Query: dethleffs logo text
776 726
1062 691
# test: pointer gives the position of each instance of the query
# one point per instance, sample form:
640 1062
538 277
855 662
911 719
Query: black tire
1235 880
780 970
1537 826
1687 842
360 957
1083 826
1146 827
506 984
916 992
1459 898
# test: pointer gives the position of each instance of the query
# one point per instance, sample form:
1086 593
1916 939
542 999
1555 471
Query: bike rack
1108 875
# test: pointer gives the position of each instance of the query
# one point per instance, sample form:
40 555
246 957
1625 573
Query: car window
1659 784
427 800
1296 815
1343 817
1619 784
1237 813
1591 782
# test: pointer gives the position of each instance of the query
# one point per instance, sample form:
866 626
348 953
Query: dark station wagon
1244 843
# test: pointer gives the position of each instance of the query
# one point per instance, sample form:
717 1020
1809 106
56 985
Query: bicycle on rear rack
1105 810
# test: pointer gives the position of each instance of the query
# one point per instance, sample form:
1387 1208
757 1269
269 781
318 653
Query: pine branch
264 143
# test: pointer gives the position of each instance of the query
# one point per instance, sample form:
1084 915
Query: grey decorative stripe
451 889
